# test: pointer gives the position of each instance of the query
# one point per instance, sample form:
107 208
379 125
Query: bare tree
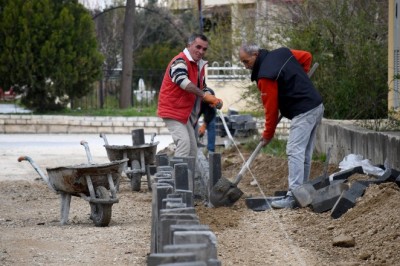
127 52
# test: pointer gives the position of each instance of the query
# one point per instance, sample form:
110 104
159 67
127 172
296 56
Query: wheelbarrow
88 181
140 159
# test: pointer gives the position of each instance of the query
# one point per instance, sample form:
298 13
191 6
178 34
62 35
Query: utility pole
200 16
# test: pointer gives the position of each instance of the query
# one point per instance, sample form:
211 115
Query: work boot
287 202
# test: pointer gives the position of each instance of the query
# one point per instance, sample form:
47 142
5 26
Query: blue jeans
211 135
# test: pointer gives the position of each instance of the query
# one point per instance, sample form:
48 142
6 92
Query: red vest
173 101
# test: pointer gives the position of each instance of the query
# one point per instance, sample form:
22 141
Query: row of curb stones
177 237
335 194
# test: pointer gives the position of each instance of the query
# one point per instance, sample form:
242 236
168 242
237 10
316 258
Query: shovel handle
312 70
248 163
251 158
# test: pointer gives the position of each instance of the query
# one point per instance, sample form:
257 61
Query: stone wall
50 124
344 138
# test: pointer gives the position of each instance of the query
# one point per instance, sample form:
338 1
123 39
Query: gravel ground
31 233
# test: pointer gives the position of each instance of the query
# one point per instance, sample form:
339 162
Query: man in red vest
181 93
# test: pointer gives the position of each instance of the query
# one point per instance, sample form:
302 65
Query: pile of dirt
261 238
31 234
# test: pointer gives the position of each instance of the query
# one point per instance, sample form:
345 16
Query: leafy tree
349 40
153 61
48 51
157 32
161 39
109 30
127 55
218 29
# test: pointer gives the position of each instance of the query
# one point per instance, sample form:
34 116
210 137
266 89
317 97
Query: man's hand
212 100
202 130
265 141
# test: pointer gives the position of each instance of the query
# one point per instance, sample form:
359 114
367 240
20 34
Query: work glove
212 100
202 130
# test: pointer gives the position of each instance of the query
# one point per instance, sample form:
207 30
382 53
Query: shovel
225 192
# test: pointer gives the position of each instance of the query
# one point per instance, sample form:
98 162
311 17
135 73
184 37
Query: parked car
7 95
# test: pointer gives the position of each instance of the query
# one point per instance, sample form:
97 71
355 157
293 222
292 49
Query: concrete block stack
243 125
177 237
335 194
238 125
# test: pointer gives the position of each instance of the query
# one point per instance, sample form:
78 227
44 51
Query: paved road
53 150
9 108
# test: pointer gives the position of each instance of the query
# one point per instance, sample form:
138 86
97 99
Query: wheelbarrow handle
38 170
88 154
103 136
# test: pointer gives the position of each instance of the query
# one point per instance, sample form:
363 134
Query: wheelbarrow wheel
101 213
136 178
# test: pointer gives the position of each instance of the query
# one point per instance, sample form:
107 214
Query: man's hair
250 48
194 36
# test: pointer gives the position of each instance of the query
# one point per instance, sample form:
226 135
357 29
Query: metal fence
226 72
105 94
146 85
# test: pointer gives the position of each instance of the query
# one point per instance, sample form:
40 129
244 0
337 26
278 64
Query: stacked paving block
238 125
177 237
335 194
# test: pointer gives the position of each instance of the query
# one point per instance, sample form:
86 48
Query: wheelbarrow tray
72 179
116 152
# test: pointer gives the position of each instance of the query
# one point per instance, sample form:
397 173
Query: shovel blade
260 203
224 193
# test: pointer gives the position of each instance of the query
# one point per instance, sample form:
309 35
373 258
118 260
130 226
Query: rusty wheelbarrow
140 158
88 181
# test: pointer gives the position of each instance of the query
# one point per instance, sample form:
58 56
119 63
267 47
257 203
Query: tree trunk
125 96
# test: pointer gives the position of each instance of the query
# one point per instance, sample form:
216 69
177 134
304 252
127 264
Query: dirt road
31 234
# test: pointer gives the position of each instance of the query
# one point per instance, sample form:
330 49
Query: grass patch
276 147
134 111
321 157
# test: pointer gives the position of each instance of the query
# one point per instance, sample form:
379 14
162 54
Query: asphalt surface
55 150
10 108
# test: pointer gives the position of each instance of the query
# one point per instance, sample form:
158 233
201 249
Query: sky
95 4
100 4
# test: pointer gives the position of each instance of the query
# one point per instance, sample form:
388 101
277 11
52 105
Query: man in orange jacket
281 77
181 93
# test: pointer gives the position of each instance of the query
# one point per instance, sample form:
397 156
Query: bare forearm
194 89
